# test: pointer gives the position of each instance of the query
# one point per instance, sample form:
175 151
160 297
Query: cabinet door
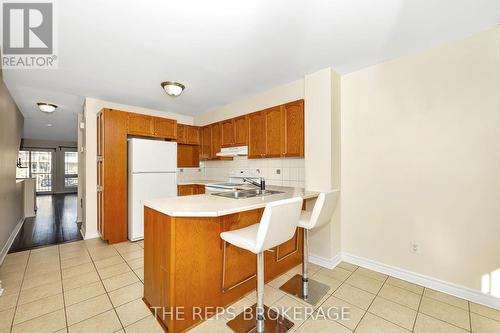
181 133
188 156
239 265
274 132
165 128
293 136
192 135
257 134
200 189
140 124
216 139
241 131
206 142
183 190
227 129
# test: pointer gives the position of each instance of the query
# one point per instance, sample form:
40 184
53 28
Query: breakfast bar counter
189 272
209 205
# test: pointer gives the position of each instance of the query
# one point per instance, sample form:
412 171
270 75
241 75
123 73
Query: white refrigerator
152 173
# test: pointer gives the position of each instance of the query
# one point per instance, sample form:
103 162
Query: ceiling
222 50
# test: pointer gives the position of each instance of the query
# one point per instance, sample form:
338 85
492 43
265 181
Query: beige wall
278 95
89 138
421 161
57 160
322 153
11 195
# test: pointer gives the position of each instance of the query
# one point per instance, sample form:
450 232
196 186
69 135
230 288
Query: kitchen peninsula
186 263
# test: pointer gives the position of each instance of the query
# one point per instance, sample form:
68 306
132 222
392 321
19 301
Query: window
23 165
70 169
38 165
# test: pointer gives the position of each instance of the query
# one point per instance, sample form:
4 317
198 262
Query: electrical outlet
414 248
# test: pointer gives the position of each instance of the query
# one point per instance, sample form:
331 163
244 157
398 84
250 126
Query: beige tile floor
89 286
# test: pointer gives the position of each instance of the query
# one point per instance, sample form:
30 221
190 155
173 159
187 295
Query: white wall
322 155
91 108
421 161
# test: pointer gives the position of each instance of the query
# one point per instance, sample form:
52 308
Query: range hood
233 151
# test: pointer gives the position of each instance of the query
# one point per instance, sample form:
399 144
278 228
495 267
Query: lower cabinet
190 189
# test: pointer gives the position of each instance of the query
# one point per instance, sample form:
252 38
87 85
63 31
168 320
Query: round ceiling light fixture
46 107
173 88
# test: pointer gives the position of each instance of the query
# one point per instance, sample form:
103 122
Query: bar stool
301 286
277 225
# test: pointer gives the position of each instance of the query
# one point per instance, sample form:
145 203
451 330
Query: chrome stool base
273 322
295 287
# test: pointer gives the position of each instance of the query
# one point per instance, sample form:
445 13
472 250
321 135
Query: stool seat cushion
245 238
305 219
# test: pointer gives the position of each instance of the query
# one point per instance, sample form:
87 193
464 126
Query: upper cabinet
206 142
277 131
271 133
257 134
187 134
164 128
216 139
227 133
234 132
293 129
241 130
139 124
274 131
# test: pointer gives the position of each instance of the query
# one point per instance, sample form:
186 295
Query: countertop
207 205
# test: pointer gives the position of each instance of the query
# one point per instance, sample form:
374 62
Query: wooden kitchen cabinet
293 129
188 156
192 135
139 124
257 135
227 133
274 132
182 133
113 129
112 173
206 143
241 131
216 140
190 189
164 128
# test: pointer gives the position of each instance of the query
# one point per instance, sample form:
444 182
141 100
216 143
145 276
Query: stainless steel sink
244 194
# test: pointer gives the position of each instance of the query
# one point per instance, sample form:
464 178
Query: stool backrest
278 223
323 208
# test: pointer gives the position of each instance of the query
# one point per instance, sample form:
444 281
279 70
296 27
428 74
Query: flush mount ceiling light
46 107
172 88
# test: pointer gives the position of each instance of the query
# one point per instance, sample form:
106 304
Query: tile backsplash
276 171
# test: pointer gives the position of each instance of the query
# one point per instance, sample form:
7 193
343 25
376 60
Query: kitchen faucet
261 185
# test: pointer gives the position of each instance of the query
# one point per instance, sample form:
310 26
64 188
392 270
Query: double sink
245 194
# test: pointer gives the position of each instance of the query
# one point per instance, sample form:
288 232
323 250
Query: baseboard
10 240
424 280
91 235
325 262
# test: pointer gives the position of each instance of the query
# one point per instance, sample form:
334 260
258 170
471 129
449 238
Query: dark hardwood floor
54 223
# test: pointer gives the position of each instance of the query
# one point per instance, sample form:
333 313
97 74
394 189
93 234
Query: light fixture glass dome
46 107
173 88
